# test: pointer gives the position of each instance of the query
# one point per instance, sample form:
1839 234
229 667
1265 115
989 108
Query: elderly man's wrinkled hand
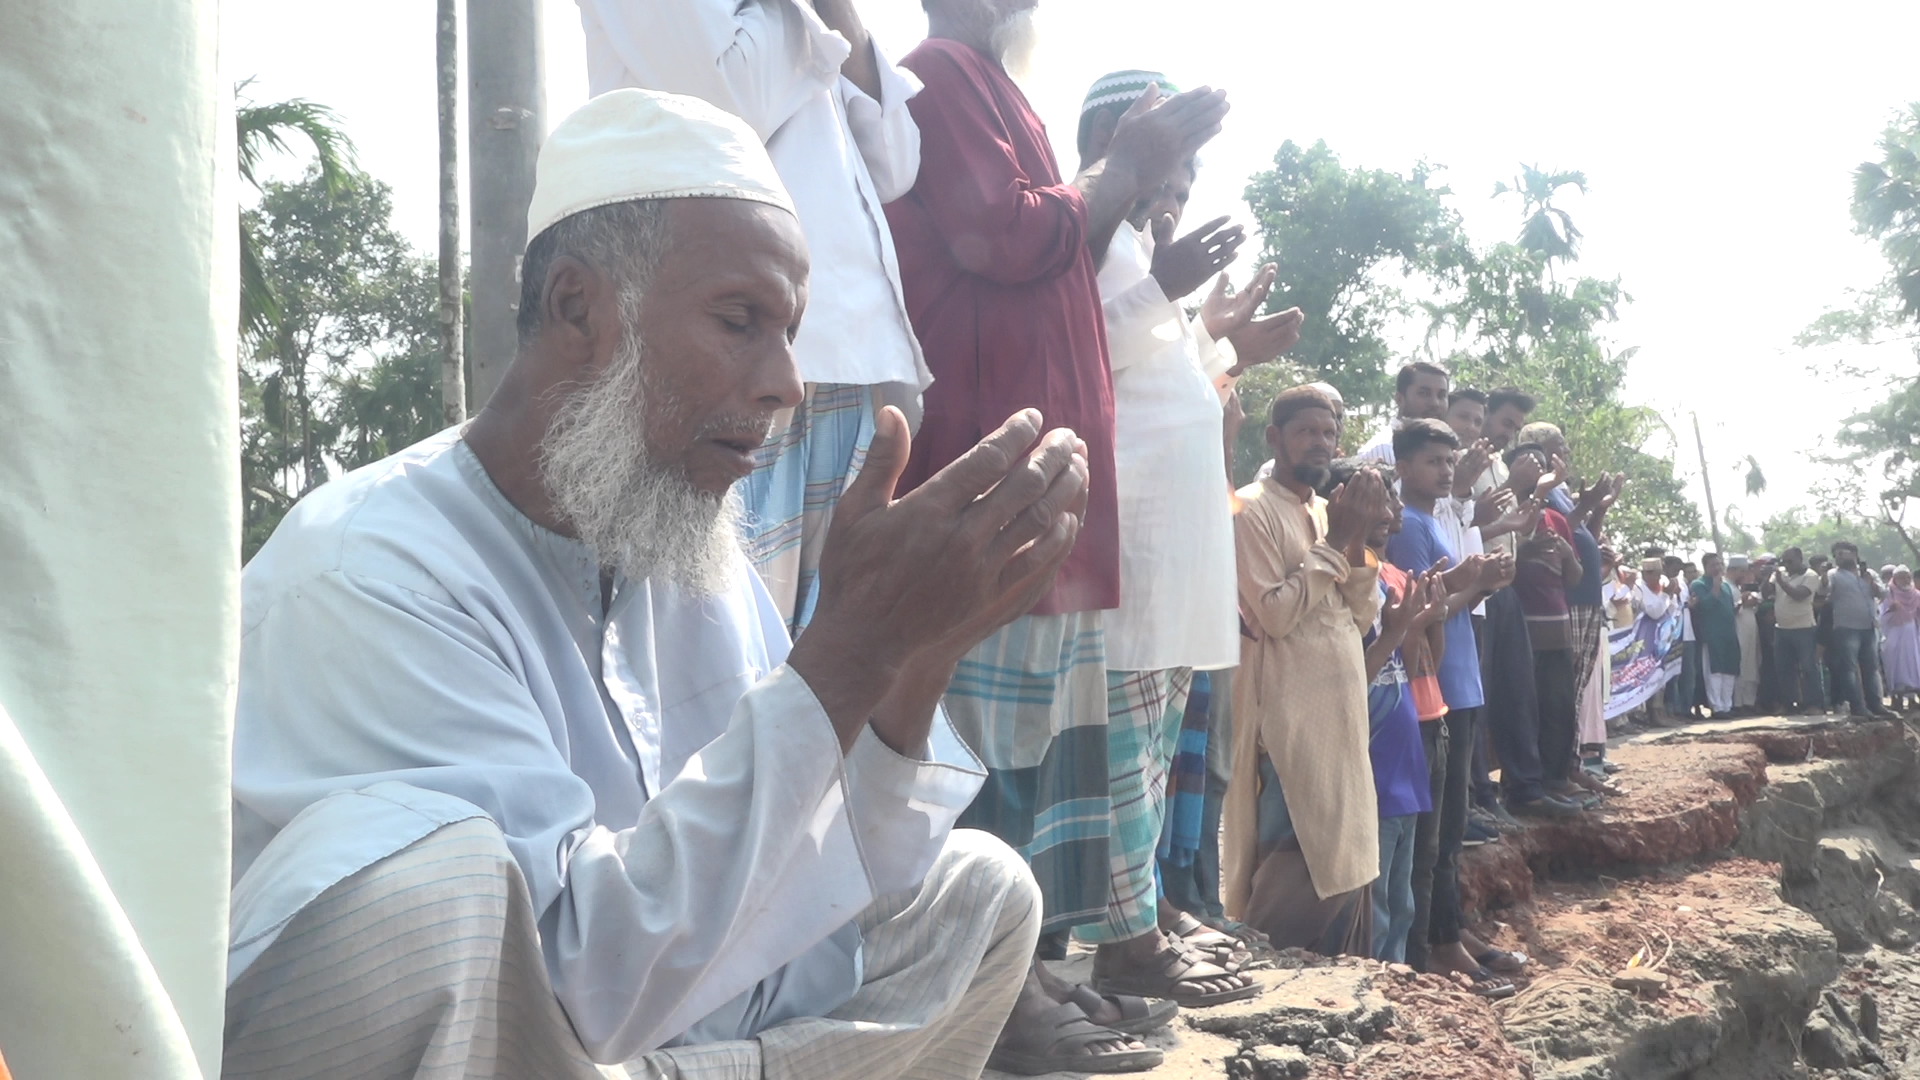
909 585
967 552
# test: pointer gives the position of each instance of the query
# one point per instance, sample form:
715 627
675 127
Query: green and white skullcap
1123 87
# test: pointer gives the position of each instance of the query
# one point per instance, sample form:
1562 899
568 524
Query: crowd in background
1347 672
1777 634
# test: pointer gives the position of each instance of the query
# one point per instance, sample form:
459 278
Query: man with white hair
832 109
997 255
527 779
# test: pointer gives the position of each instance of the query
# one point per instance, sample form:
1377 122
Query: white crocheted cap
629 145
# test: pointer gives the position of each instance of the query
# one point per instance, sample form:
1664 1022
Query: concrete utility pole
453 375
506 121
1706 483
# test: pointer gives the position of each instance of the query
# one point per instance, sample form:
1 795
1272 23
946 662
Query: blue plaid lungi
1031 702
797 478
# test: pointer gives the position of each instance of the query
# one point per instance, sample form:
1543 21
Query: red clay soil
1682 801
1591 930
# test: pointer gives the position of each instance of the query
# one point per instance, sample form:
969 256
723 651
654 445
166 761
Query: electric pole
506 122
1713 521
453 376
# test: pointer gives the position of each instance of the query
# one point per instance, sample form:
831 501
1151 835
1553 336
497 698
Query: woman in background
1900 651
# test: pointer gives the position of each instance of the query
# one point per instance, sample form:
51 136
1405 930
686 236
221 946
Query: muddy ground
1766 872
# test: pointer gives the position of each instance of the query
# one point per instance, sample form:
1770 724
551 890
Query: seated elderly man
527 780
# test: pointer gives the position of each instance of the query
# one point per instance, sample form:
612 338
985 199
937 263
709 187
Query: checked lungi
1144 716
1031 702
1589 627
797 479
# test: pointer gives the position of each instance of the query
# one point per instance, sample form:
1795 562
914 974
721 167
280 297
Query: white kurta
841 154
1177 606
690 832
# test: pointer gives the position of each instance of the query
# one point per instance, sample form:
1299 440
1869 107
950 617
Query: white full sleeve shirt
1177 584
841 154
416 651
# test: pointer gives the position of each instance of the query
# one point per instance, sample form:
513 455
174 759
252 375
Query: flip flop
1502 962
1176 964
1073 1033
1138 1015
1490 986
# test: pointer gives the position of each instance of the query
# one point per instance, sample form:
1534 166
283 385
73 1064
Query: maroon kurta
1000 288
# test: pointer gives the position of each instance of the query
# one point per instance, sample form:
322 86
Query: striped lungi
797 479
1031 702
1187 776
1144 710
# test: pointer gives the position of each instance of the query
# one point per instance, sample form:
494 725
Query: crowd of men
1776 634
540 767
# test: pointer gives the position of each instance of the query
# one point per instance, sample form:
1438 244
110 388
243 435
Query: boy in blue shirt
1424 453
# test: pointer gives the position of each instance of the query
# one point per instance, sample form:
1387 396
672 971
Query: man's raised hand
1155 136
1183 265
922 579
1262 340
1221 314
1356 507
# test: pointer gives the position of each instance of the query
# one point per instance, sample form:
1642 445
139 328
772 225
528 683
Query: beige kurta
1301 694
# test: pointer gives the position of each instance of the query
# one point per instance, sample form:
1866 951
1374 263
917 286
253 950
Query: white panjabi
1176 518
415 651
842 154
628 145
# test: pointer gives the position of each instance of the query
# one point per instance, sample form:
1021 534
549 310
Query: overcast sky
1717 139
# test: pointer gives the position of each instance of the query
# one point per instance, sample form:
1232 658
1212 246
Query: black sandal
1138 1015
1075 1033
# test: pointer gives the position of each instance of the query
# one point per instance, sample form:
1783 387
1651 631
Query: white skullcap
628 145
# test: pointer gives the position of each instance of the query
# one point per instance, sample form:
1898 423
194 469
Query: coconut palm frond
267 127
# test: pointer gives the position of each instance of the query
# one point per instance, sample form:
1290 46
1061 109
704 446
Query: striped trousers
427 966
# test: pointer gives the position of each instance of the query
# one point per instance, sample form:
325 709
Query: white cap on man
628 145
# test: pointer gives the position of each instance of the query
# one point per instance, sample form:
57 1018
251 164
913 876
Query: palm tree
1547 229
267 127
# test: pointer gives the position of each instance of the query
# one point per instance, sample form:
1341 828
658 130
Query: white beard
640 517
1014 41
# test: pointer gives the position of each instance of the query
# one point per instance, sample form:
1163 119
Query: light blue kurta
694 840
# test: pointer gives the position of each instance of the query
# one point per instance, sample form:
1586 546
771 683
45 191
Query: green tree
349 372
267 127
1513 324
1343 240
1886 208
1879 540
